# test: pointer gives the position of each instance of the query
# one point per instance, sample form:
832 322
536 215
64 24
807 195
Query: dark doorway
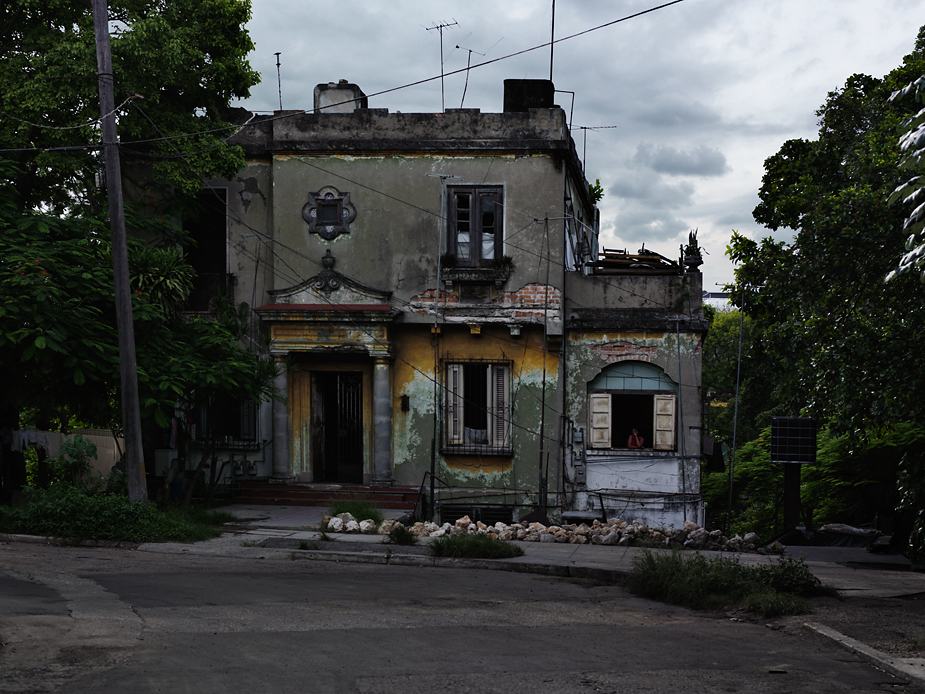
337 426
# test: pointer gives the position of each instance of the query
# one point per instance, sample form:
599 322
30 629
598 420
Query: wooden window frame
476 219
664 420
497 405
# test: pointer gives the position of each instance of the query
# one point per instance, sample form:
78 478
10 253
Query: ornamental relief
329 213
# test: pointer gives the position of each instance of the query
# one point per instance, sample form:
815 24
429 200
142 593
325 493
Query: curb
63 542
904 668
396 559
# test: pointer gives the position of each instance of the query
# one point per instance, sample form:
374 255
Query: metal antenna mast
279 82
552 38
440 27
468 65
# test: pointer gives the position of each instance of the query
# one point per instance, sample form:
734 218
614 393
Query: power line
389 90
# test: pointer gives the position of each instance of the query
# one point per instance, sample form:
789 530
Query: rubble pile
614 532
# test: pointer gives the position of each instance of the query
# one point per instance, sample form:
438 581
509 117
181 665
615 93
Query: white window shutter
499 398
664 425
454 404
600 420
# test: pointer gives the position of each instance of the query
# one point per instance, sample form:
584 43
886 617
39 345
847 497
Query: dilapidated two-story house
437 301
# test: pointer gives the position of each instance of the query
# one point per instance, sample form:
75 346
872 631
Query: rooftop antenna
552 38
585 129
468 65
440 27
279 82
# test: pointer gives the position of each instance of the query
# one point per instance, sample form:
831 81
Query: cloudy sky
701 92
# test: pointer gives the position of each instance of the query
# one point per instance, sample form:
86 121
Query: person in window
636 440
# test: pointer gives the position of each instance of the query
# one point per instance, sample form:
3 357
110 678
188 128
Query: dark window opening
475 419
227 421
329 212
208 254
631 412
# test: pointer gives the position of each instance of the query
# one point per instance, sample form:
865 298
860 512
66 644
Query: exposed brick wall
424 302
534 294
613 352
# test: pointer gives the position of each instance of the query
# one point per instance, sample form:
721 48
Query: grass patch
358 508
400 535
71 513
473 547
769 590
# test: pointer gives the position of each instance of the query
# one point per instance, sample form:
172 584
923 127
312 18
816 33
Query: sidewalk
853 571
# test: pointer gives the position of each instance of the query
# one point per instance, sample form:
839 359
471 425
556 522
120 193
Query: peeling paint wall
415 376
648 320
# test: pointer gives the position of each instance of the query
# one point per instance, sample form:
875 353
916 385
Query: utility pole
131 417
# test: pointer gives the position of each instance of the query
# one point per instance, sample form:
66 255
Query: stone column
282 471
382 422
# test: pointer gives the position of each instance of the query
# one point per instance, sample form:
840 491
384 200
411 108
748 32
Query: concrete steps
323 495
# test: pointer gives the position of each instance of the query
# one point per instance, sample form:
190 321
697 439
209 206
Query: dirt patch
892 625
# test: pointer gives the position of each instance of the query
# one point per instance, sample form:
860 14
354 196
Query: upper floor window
475 235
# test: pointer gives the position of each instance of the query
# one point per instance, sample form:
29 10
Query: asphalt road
101 620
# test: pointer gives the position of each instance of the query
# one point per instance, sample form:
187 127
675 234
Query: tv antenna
440 27
279 82
585 129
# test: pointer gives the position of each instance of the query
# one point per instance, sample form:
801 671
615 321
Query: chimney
340 97
522 95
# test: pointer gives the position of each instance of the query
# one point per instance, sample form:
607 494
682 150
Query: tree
912 192
844 344
177 64
58 343
720 367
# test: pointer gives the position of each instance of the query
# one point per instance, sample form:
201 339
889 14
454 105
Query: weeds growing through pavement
473 547
769 590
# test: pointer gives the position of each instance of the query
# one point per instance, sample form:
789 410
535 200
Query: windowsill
477 450
640 452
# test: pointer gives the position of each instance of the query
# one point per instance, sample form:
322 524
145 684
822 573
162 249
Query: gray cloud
700 161
657 229
650 189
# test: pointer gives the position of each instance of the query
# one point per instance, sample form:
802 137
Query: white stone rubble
614 532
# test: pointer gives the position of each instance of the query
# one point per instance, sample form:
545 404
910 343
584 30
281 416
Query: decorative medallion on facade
329 213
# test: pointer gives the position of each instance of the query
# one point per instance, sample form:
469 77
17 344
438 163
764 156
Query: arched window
632 396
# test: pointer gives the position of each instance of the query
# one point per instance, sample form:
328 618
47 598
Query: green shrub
473 547
69 512
358 508
700 583
400 535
